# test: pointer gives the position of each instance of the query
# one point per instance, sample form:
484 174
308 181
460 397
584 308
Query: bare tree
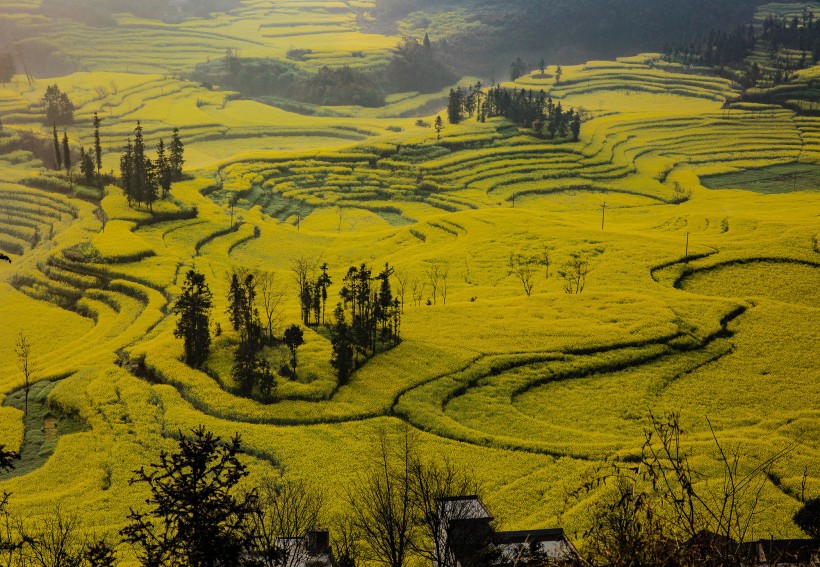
574 273
271 296
662 511
12 536
437 273
346 550
25 364
417 287
287 510
445 273
434 487
403 279
524 268
544 260
56 541
433 276
381 502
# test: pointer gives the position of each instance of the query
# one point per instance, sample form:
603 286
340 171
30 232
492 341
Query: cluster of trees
312 290
201 511
144 180
251 369
374 319
800 33
731 49
7 67
413 67
571 31
58 107
523 107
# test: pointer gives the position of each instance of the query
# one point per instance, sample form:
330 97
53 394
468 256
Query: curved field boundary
742 261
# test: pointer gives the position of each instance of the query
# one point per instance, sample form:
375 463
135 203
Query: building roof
469 507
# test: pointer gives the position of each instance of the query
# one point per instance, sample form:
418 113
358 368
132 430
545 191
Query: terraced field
703 301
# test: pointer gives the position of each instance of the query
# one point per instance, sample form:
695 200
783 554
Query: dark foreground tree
196 518
287 510
193 308
807 518
659 511
382 503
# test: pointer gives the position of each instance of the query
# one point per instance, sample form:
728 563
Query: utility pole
298 220
231 213
603 215
686 256
23 63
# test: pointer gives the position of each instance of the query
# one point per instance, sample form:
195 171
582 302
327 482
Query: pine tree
294 338
193 308
127 171
176 158
58 159
439 126
66 154
342 342
324 282
236 302
151 188
139 173
454 105
197 516
86 166
163 170
97 145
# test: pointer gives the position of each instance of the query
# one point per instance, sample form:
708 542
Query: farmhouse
466 534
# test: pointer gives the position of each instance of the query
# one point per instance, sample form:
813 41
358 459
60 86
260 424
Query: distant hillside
485 35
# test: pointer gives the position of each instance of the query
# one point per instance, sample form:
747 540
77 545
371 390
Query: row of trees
523 107
366 321
201 511
730 49
144 180
90 162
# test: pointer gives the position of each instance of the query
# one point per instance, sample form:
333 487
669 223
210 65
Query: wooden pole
603 215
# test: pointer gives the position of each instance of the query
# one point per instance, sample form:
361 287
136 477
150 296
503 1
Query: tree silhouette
195 518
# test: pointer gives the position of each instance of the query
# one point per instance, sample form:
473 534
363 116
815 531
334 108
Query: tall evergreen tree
7 68
197 517
455 103
323 283
86 166
58 158
294 338
342 342
163 170
236 302
97 145
66 153
193 308
139 172
176 158
127 171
